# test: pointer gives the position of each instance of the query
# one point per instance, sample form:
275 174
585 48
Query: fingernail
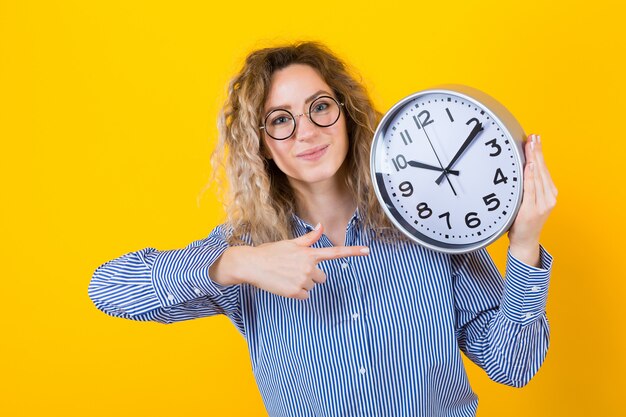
539 138
365 250
318 226
532 144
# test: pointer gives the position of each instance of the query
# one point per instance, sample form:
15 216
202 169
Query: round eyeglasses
280 124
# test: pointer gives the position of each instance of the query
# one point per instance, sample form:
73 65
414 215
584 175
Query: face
312 154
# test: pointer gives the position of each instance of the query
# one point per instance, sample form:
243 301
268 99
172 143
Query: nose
305 128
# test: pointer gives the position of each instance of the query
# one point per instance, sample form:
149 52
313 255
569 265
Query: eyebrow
307 101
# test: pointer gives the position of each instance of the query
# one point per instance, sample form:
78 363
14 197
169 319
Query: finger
311 237
528 148
529 184
319 277
322 254
540 199
536 166
308 285
302 295
548 184
544 198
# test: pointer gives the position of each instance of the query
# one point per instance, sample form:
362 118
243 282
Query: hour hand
432 167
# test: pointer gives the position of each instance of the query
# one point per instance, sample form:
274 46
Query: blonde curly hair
260 201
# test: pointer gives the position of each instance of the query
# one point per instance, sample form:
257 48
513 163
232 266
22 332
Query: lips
312 152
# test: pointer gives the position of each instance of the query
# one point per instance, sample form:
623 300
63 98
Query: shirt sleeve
501 325
166 286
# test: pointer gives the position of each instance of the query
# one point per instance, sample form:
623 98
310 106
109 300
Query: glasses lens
324 111
279 124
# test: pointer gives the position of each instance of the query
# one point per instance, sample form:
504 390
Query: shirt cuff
182 275
526 288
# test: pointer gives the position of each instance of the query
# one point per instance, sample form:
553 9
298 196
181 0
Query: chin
318 176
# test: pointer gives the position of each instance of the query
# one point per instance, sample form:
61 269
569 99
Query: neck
327 202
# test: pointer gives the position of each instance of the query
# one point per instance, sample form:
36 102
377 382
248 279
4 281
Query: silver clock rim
504 118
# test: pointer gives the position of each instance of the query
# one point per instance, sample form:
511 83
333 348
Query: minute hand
477 128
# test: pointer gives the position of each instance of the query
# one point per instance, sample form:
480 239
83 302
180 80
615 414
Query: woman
347 317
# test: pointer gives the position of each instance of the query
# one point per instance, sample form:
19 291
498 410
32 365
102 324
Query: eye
279 120
321 106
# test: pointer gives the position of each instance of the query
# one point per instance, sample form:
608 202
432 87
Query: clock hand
426 166
435 152
477 129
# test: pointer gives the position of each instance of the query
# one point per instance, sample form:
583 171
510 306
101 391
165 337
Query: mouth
313 153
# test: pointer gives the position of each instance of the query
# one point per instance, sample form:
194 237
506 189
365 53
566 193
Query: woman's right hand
287 268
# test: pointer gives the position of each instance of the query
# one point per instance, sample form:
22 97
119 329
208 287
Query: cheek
276 151
271 149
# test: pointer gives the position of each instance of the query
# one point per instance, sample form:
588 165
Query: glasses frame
308 114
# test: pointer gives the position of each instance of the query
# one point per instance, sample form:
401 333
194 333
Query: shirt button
344 265
355 316
529 315
170 297
535 288
362 371
197 291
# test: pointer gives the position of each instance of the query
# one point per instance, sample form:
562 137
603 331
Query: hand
477 128
537 202
289 267
426 166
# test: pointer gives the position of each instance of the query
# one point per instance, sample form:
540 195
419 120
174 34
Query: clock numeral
493 144
418 119
499 177
447 216
405 137
473 120
449 114
471 220
399 162
424 211
406 188
491 198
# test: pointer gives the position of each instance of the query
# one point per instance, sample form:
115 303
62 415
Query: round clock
447 167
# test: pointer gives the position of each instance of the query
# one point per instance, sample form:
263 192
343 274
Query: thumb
311 237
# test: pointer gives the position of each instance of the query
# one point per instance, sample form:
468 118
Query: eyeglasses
280 124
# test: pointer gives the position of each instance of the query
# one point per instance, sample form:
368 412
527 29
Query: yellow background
107 119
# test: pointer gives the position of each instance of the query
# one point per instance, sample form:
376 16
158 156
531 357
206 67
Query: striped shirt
381 337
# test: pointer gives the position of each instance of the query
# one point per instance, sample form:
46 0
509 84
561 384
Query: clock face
447 170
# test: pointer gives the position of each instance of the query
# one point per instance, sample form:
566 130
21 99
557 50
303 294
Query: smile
313 154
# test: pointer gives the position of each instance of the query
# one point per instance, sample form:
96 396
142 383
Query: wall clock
447 165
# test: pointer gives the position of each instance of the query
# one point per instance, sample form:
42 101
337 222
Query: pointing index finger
323 254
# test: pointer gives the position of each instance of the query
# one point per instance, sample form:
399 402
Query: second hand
445 172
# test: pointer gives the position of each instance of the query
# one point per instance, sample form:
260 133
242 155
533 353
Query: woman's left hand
538 201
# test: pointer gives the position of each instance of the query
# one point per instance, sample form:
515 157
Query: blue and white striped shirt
381 337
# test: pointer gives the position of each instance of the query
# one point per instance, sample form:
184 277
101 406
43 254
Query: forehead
292 85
